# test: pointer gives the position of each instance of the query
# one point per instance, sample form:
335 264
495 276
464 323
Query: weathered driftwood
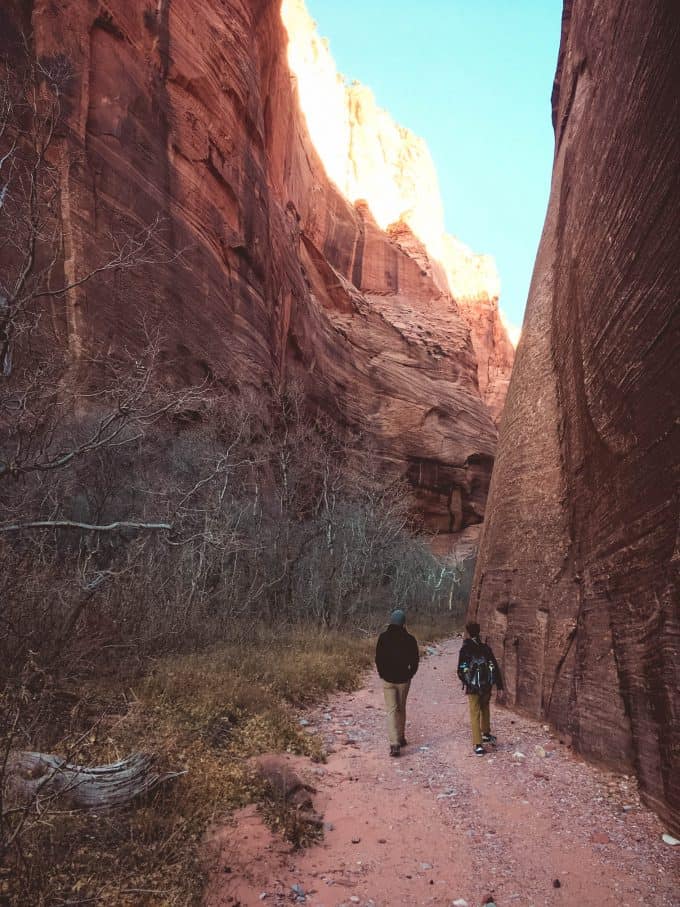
41 778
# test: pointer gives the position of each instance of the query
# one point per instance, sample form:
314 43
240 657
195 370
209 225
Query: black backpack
479 677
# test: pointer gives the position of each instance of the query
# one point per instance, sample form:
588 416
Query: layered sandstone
474 282
371 158
364 152
187 113
578 581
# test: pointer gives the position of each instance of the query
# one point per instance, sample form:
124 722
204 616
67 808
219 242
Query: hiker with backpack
478 670
396 658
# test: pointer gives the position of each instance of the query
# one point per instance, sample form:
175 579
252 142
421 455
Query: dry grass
209 713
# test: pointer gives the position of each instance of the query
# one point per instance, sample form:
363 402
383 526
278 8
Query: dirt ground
530 824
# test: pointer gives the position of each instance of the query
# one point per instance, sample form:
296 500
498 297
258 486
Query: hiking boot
395 751
403 742
479 750
489 738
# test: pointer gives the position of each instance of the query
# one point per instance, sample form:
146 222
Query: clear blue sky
474 78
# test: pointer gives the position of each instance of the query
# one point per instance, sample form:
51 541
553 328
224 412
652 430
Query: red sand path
440 824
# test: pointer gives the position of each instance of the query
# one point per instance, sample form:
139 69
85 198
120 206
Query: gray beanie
397 618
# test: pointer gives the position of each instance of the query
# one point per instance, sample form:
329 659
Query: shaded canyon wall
188 112
577 582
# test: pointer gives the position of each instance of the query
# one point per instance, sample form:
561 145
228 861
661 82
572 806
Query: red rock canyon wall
371 158
578 577
188 111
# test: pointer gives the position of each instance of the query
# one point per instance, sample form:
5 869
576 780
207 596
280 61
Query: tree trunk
35 777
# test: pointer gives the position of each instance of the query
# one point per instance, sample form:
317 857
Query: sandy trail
440 824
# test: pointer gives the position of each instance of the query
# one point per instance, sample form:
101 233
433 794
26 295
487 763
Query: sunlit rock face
578 579
371 158
475 285
188 112
364 152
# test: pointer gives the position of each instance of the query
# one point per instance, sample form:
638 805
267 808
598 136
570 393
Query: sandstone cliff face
578 578
188 112
475 285
364 152
371 158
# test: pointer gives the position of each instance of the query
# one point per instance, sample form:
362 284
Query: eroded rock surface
371 158
189 113
578 577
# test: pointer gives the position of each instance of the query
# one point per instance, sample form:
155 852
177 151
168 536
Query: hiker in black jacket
396 658
479 671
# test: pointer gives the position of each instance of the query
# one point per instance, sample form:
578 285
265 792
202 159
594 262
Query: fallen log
42 778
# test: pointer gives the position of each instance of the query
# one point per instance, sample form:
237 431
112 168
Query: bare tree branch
86 527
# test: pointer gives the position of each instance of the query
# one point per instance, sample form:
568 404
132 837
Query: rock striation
473 280
371 158
188 114
578 579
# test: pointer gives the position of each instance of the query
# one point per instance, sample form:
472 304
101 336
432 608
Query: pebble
461 902
355 900
540 752
356 840
425 866
669 839
599 837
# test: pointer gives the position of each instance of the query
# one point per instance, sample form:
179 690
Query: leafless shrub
63 414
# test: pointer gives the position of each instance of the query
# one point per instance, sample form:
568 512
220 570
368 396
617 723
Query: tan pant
395 706
480 715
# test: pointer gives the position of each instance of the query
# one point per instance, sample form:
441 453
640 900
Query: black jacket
396 655
472 647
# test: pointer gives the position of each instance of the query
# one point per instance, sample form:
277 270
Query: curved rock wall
187 112
578 578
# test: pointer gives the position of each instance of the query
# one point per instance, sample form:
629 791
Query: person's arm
462 664
498 677
380 655
414 660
